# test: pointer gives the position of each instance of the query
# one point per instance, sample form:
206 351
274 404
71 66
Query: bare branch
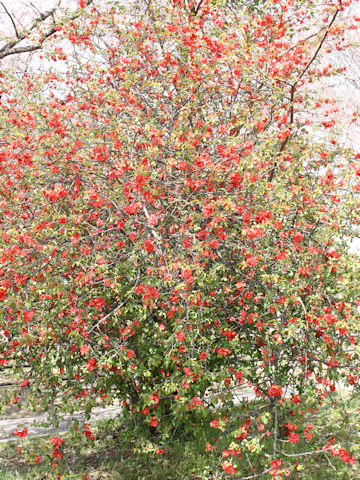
197 8
11 48
11 18
293 87
319 46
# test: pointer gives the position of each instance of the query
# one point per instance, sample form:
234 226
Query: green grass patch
113 456
109 458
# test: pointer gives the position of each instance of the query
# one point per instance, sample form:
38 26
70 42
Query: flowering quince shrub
173 231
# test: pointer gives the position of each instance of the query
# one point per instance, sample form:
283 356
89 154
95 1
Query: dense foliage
176 213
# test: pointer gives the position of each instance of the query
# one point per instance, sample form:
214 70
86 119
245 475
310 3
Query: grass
108 459
111 457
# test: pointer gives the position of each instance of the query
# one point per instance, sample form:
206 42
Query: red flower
260 126
223 351
228 468
130 353
187 274
275 391
268 19
154 398
297 237
24 384
195 401
3 291
87 432
307 433
153 220
56 441
180 336
84 349
294 437
154 422
149 245
91 364
57 454
275 464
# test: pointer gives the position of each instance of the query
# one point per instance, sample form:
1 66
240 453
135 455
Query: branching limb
12 47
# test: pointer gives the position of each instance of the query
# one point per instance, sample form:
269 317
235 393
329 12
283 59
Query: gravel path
7 426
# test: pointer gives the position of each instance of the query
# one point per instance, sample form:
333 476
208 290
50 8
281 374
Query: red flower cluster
56 443
275 391
91 364
22 433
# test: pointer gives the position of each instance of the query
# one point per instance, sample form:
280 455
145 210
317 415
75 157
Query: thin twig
11 18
